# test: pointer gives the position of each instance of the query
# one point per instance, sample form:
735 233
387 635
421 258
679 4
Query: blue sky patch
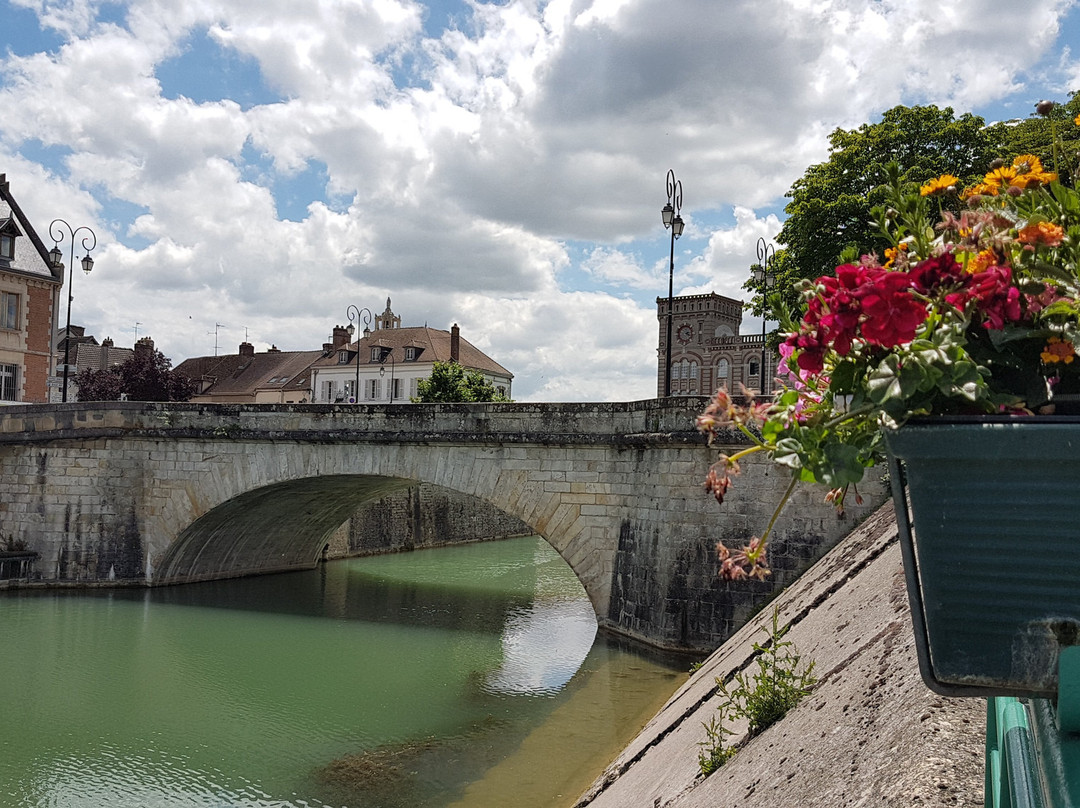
53 158
206 72
21 32
292 192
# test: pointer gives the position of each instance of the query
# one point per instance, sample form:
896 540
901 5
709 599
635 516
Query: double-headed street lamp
766 254
672 220
356 314
56 257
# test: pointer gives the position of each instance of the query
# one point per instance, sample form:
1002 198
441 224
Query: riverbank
871 733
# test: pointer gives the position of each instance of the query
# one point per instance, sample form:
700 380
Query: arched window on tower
723 374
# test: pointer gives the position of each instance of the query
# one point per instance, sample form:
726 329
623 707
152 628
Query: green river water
468 676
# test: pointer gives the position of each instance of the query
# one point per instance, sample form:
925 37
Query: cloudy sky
253 167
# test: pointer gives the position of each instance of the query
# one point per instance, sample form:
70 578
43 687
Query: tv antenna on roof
137 324
216 327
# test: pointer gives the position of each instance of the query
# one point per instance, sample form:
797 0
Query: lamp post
56 257
356 314
388 353
673 221
766 254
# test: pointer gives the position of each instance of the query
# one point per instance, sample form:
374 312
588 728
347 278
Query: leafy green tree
830 204
145 376
450 383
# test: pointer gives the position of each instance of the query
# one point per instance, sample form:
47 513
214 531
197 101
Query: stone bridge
149 494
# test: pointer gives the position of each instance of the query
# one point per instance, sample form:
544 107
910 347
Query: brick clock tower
707 350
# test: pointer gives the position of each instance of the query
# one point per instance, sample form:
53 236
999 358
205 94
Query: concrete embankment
871 733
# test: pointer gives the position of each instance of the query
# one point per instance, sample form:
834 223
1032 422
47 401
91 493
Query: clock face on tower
684 334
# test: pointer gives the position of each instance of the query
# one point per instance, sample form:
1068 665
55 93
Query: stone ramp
871 734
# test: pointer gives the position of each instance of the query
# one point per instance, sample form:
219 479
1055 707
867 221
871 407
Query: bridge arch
268 507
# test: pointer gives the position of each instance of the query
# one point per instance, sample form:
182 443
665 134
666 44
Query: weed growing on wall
779 683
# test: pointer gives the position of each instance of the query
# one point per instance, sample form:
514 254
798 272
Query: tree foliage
145 376
449 382
830 204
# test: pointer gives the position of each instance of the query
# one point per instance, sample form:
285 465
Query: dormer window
8 233
343 357
412 354
376 354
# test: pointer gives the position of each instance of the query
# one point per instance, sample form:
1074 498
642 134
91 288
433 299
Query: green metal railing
1033 746
1012 779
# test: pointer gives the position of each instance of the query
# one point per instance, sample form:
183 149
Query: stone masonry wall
425 516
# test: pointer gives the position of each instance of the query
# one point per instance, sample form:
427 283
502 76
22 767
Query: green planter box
991 549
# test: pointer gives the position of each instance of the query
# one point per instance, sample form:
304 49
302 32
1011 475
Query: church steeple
387 319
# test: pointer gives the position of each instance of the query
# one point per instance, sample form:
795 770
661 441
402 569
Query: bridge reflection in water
389 681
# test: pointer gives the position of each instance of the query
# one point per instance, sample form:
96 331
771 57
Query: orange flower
1027 164
1044 233
1001 177
1058 350
981 262
982 189
939 186
892 253
1030 172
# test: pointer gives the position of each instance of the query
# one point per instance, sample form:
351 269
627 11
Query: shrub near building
449 382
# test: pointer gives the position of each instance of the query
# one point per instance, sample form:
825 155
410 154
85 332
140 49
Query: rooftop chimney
144 345
273 349
247 349
341 336
455 343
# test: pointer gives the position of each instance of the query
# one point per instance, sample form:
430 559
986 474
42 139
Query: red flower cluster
885 307
861 302
993 295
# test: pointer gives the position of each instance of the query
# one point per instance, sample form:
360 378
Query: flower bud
891 214
1044 107
1014 190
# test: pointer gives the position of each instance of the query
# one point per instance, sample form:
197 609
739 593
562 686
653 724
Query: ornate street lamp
766 254
673 221
356 314
388 353
89 242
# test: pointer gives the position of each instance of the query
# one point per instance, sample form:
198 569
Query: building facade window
397 389
343 357
414 388
410 354
9 311
7 246
371 390
327 391
723 370
9 382
376 354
